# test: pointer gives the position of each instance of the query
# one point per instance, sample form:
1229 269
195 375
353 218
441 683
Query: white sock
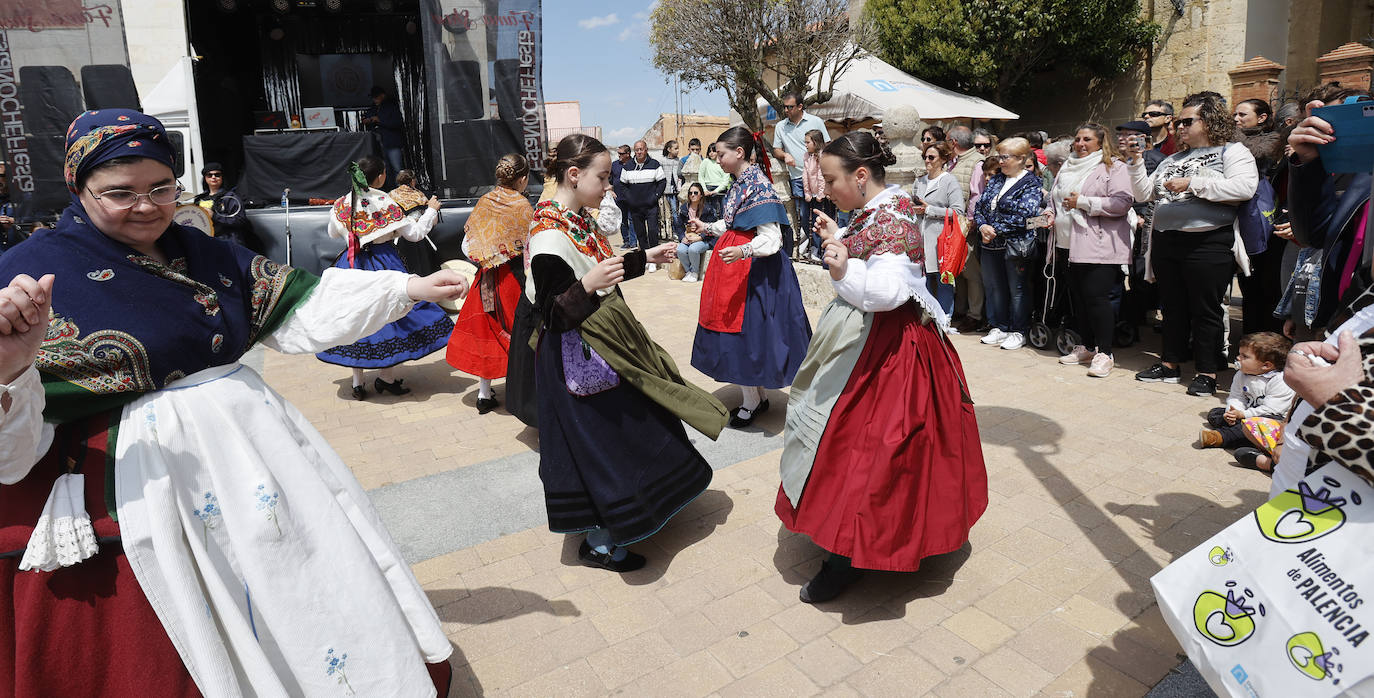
357 377
483 388
751 397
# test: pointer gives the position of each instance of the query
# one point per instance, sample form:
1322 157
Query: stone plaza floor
1095 484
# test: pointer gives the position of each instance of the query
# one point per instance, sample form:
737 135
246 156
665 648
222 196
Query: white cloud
621 135
596 22
640 26
631 31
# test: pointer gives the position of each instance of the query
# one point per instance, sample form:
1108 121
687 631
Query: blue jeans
627 234
691 254
803 211
393 157
944 293
1006 297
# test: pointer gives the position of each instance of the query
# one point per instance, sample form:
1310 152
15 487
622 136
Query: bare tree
744 47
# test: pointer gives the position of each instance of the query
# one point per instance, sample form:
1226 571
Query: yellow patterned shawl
497 227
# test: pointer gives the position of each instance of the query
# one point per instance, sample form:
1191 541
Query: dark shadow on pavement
486 605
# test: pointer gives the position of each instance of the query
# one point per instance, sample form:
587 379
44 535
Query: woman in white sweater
936 193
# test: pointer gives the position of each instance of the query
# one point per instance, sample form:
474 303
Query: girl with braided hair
752 329
369 219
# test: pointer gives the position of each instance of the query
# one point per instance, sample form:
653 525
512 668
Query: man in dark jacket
627 236
644 181
385 119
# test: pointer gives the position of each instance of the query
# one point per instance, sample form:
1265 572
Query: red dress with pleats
481 340
899 473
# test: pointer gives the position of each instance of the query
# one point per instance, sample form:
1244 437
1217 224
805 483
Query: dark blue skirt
614 460
423 331
772 341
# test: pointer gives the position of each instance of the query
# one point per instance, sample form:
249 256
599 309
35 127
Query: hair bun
885 157
550 162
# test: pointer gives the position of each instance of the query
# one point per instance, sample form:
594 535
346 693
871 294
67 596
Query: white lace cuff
63 535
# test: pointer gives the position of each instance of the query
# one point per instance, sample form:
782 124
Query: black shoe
486 404
738 422
1202 386
1160 372
393 388
830 582
591 558
359 392
1249 457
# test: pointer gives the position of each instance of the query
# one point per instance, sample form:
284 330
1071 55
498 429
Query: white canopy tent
869 87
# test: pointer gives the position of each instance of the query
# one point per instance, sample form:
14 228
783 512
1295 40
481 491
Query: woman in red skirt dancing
494 238
881 461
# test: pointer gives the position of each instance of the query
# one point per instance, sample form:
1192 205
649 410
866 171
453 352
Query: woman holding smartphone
936 193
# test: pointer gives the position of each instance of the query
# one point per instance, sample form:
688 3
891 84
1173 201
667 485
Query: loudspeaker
471 149
109 87
507 89
463 90
48 155
51 99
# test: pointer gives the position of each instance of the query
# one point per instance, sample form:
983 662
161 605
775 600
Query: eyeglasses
1153 114
693 193
927 139
1004 157
981 146
930 158
216 175
790 107
121 199
1185 123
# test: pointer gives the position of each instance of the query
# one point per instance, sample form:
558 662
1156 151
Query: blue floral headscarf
102 135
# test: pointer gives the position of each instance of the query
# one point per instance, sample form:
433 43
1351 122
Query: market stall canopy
870 87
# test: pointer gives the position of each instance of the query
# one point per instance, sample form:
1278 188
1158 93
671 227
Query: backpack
1256 218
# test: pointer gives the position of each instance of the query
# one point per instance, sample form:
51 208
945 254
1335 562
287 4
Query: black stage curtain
312 164
394 35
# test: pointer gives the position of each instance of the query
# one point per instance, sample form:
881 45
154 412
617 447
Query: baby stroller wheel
1039 335
1067 340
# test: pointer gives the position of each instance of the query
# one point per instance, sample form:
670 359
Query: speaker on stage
47 153
508 89
463 90
51 99
471 149
109 87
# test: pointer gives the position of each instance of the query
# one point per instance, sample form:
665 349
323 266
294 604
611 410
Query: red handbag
952 248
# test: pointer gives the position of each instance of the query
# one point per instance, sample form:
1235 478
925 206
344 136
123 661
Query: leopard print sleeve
1342 430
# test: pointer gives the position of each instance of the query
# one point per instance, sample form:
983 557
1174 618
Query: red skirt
899 472
481 340
88 629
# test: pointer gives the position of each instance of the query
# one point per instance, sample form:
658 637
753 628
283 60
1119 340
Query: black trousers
1232 435
1193 271
1262 289
1092 287
644 224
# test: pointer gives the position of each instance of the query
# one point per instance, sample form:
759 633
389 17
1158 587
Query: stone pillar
1351 65
1257 78
903 125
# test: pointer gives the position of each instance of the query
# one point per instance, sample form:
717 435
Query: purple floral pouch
584 371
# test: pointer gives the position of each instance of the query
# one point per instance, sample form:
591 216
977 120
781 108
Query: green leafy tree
756 48
992 48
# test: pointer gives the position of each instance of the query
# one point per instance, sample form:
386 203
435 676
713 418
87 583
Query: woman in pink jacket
1092 195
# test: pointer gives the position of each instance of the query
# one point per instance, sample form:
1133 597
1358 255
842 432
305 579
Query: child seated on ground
1258 402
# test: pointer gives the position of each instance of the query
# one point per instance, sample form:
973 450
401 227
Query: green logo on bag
1307 654
1227 619
1301 515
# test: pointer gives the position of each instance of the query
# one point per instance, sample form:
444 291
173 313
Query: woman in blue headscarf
168 524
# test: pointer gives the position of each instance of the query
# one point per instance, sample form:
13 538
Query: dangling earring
862 191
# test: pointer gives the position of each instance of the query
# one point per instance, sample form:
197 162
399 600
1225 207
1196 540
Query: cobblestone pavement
1095 485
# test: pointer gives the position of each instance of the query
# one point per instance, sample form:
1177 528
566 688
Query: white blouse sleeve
883 283
417 231
1240 178
347 305
1142 185
24 437
716 228
767 240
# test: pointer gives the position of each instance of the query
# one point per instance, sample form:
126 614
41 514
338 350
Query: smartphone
1038 222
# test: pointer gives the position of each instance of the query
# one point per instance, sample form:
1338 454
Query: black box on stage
470 152
463 90
109 87
51 99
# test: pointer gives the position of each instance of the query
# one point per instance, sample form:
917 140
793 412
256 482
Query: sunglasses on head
1153 114
1185 123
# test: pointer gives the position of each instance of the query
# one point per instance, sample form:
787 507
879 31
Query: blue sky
599 54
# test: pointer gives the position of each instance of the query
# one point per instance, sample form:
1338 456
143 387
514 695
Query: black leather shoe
738 422
829 583
486 404
393 388
591 558
359 392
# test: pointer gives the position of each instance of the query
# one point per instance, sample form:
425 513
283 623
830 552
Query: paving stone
824 661
900 672
1013 672
753 648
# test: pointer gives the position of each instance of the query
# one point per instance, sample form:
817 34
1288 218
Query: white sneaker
1079 355
1102 366
690 278
996 336
952 330
650 267
1014 340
